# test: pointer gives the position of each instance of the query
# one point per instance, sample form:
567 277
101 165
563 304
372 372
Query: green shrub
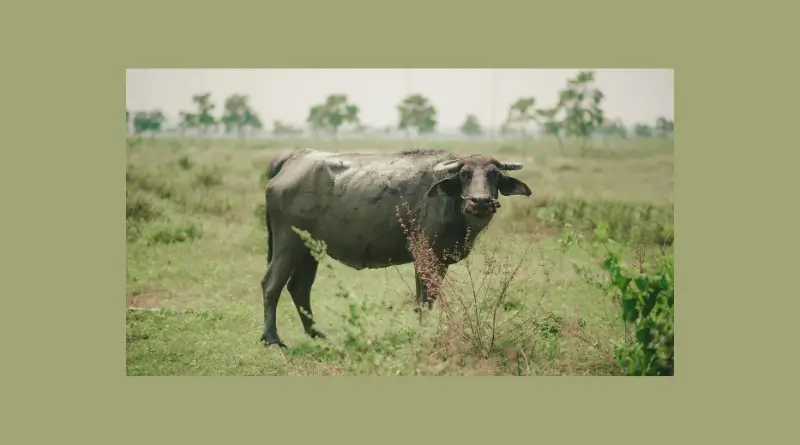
549 325
626 222
208 177
138 211
645 292
167 233
219 206
138 208
138 180
185 162
647 300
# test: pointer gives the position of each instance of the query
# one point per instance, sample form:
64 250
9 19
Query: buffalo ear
509 185
450 186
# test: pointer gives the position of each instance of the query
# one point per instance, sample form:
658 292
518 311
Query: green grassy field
196 252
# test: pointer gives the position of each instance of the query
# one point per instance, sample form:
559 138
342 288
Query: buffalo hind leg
300 289
277 275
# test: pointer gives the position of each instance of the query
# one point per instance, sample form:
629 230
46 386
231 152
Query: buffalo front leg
429 284
300 288
278 273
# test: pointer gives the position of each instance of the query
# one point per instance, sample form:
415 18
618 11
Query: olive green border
68 232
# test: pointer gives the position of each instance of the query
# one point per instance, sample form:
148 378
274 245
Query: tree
339 111
252 120
141 122
316 119
332 114
156 122
204 118
188 121
416 111
551 125
234 114
643 131
665 128
471 127
144 122
581 103
520 113
201 118
238 115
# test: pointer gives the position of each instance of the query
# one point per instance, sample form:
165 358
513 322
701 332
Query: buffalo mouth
480 211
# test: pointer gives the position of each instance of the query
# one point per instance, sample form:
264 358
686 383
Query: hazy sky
286 94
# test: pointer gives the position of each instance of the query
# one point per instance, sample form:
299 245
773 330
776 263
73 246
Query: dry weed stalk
472 323
426 264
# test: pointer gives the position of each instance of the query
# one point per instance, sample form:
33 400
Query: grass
196 252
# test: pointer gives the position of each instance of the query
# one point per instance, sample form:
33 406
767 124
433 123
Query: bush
647 301
625 222
167 233
185 163
208 177
138 211
138 208
645 293
213 205
137 180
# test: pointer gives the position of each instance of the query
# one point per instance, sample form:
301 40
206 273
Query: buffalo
350 201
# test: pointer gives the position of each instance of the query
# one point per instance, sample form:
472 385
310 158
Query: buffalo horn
510 166
447 166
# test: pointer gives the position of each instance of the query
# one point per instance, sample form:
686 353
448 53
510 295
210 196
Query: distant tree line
577 114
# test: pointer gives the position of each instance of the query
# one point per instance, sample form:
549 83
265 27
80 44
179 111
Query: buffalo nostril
483 200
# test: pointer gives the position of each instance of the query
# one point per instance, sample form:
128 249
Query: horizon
285 95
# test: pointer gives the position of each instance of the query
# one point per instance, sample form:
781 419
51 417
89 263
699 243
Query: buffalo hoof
273 342
317 334
418 308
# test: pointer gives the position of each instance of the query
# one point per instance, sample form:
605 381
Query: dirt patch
152 299
543 229
560 168
533 225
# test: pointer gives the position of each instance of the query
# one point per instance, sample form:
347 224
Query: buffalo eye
465 175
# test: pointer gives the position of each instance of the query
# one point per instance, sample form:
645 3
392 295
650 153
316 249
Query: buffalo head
476 181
